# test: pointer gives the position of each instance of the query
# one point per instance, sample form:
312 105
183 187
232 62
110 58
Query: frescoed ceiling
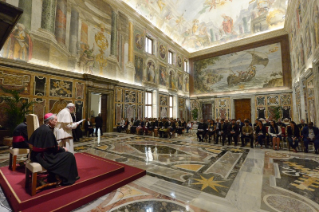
200 24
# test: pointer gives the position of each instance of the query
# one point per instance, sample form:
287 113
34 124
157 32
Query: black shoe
251 147
306 150
77 178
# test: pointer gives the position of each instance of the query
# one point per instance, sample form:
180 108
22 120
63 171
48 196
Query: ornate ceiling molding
242 42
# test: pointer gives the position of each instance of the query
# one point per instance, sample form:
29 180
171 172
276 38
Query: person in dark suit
98 124
301 125
310 134
20 136
233 132
211 129
260 132
88 127
293 135
221 131
163 128
201 130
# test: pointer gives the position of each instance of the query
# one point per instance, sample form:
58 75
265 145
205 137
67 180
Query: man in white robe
63 129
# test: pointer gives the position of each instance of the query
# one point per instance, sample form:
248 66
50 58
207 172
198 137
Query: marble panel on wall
79 90
79 110
39 109
164 112
40 85
130 111
60 88
130 96
14 81
118 113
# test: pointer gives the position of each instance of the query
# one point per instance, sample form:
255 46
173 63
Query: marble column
175 106
114 33
60 21
25 19
155 103
131 43
302 101
48 15
74 31
316 90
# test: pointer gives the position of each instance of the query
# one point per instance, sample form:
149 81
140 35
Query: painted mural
205 23
249 69
90 37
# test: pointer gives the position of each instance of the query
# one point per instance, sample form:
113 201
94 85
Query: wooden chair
33 168
14 152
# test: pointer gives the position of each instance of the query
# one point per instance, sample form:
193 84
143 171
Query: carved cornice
20 65
242 42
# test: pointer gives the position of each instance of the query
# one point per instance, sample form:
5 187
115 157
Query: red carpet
99 176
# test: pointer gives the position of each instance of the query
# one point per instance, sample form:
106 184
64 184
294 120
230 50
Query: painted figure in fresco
164 112
19 44
162 75
161 4
86 61
172 81
151 71
162 51
139 41
180 82
195 26
179 61
228 24
138 69
186 85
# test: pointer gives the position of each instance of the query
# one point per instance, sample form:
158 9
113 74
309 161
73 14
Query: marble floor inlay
186 175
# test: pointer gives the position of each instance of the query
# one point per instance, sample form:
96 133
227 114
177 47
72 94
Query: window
171 106
170 57
185 66
148 105
149 45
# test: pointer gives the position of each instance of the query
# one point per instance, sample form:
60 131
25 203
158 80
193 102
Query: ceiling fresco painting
200 24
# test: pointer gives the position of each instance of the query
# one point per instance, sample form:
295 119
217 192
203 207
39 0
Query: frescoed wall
255 68
303 28
200 24
90 37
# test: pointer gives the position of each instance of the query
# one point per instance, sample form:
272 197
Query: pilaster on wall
316 87
175 106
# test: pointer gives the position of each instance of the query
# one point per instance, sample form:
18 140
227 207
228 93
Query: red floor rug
99 176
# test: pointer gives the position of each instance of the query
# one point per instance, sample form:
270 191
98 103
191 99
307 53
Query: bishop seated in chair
60 164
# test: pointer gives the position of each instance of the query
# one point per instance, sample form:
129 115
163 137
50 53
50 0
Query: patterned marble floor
184 175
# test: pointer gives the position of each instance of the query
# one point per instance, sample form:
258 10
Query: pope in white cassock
63 129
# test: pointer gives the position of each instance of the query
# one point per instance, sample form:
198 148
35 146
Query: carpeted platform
99 176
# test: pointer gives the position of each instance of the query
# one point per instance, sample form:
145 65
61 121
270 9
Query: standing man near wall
63 129
98 124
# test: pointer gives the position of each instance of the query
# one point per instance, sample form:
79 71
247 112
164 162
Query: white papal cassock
63 129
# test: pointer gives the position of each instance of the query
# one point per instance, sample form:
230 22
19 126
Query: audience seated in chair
211 129
274 132
20 136
260 133
293 135
201 130
88 128
247 133
233 132
310 134
221 131
163 128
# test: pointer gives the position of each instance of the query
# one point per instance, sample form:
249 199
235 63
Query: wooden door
207 111
104 111
243 109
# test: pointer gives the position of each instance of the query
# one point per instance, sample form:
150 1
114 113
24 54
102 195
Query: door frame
110 104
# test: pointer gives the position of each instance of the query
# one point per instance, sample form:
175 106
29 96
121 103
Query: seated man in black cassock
56 160
20 136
